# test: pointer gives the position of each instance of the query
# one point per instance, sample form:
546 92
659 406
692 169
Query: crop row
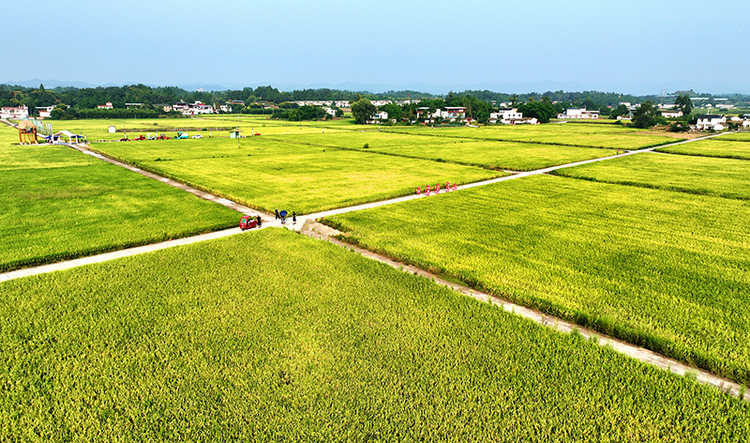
716 147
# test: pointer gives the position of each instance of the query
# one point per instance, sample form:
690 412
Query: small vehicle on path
140 137
248 222
182 136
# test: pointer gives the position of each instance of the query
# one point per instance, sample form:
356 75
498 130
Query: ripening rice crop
58 204
270 336
722 177
665 270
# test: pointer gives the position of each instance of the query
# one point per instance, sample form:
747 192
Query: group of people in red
436 189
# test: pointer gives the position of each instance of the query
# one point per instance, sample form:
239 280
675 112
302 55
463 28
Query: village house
708 121
16 112
510 116
450 113
671 113
45 111
193 108
380 115
108 105
579 113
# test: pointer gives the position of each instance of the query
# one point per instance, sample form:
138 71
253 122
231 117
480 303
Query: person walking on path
277 214
260 221
294 218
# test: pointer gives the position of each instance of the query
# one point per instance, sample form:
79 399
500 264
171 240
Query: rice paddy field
304 340
58 204
722 177
738 136
665 270
714 147
579 134
269 174
486 154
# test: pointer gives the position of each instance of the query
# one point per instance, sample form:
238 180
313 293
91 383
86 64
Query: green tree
394 111
684 103
619 111
59 113
541 110
645 115
362 109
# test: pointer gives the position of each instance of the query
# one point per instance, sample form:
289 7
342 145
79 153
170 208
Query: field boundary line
323 232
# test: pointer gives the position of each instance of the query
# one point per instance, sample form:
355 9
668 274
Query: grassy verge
271 336
660 269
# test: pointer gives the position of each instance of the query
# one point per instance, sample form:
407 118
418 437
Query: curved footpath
308 225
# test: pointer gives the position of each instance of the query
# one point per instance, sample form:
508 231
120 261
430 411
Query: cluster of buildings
718 122
448 113
190 109
507 116
341 104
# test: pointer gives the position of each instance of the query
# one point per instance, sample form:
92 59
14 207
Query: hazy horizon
639 47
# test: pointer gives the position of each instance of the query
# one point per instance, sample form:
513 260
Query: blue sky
634 46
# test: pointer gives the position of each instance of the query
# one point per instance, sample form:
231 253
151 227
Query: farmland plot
58 204
708 176
307 341
715 147
661 269
268 174
597 136
466 151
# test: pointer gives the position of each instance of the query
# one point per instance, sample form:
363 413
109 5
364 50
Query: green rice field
268 174
738 136
664 270
697 175
714 147
270 336
466 151
591 135
59 204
